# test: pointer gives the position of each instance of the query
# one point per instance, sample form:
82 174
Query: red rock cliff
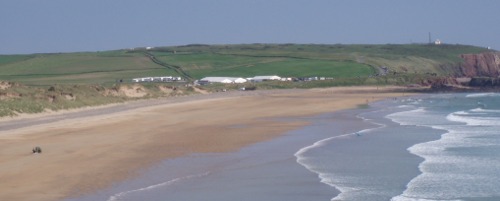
481 65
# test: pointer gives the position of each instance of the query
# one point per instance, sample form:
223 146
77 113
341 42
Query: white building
226 80
240 80
437 42
265 78
158 79
166 78
146 79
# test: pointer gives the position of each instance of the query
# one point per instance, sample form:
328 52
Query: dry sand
88 153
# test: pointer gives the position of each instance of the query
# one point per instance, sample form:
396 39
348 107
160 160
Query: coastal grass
28 99
18 99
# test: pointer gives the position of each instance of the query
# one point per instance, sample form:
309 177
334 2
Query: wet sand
88 150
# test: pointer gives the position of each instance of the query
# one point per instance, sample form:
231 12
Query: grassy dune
16 98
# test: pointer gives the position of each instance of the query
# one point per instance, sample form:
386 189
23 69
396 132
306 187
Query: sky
52 26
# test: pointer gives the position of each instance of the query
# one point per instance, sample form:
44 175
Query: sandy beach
86 151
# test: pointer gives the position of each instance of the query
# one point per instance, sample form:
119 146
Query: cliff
481 65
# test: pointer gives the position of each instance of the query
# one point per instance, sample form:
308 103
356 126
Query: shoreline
114 147
208 175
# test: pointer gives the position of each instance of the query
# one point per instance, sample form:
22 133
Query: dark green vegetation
37 82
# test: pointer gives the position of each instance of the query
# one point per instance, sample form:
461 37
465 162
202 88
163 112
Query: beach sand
85 153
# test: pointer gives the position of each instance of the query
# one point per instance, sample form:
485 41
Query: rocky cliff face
481 65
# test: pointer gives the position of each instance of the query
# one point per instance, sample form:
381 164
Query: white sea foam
452 167
417 117
485 110
462 163
118 196
473 119
302 160
403 198
322 142
395 116
404 106
477 95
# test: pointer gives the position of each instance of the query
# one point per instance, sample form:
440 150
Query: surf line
117 196
300 158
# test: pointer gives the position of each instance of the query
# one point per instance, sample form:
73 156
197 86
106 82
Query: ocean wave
404 106
450 160
324 177
477 95
417 117
446 178
302 160
470 119
323 142
404 198
463 162
484 110
117 197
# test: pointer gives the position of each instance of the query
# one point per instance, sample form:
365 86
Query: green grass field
414 58
200 65
198 61
74 68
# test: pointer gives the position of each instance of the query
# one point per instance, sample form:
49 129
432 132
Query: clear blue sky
45 26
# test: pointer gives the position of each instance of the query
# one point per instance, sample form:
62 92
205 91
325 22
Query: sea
432 147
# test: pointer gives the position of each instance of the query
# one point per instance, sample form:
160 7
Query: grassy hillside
74 68
197 61
213 64
39 82
414 58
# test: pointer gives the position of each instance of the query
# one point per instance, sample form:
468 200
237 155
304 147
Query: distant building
437 42
240 80
286 79
225 80
158 79
265 78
